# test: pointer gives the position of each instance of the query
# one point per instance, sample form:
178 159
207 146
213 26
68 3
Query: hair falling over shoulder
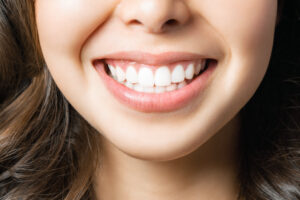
48 151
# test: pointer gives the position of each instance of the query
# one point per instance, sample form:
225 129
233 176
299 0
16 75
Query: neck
210 172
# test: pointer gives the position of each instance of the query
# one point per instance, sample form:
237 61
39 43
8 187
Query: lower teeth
155 89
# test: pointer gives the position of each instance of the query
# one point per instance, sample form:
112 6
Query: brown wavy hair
48 151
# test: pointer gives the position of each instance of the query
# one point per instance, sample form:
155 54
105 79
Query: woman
136 99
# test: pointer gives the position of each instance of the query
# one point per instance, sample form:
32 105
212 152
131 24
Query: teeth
112 70
129 85
171 87
160 89
157 89
120 74
138 87
159 82
198 68
131 75
162 76
182 84
178 74
145 77
148 89
189 72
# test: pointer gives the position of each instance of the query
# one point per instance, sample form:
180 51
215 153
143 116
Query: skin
189 153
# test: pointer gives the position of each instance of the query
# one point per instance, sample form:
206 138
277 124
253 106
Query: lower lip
152 102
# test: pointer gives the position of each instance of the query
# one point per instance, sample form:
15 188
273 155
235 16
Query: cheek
64 25
242 24
247 29
250 34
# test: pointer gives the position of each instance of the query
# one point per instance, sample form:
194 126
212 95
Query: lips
155 83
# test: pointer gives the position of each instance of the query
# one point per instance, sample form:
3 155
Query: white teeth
131 75
120 74
159 82
138 87
178 74
182 84
171 87
112 70
162 76
189 72
149 89
198 68
128 84
160 89
145 77
156 89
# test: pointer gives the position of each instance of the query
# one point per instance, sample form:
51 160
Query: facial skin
189 153
239 34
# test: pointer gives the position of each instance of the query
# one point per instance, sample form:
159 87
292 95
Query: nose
154 16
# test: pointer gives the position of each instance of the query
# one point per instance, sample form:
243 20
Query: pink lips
151 102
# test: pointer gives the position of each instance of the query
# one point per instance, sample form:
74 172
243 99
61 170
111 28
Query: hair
48 151
270 137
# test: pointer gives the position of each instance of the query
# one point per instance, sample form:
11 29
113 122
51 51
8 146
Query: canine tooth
198 68
145 77
160 89
112 70
171 87
178 74
131 75
162 76
120 74
181 85
189 72
138 87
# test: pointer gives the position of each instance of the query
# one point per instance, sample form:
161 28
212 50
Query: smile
164 83
153 79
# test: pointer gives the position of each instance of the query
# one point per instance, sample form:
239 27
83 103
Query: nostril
135 22
171 22
167 25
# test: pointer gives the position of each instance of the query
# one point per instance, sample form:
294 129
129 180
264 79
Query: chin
154 149
157 153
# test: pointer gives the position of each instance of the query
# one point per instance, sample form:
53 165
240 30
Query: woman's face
151 120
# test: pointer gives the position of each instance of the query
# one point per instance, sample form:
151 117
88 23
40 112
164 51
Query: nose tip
154 16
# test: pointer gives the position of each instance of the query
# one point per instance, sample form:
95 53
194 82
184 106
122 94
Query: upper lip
152 59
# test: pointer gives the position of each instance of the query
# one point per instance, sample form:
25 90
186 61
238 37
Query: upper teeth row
161 77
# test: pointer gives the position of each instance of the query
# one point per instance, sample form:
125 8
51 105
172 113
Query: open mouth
155 79
155 83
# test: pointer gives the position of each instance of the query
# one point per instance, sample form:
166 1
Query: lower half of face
157 78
